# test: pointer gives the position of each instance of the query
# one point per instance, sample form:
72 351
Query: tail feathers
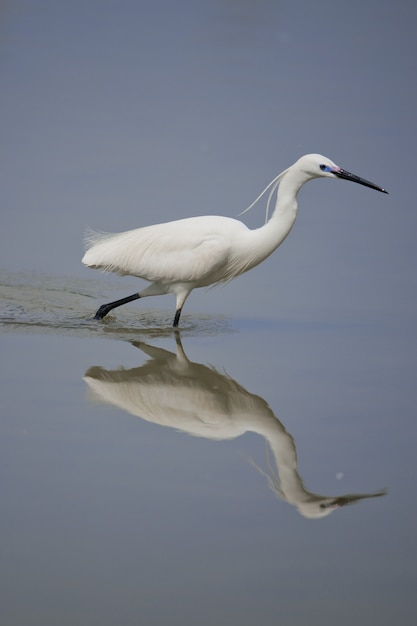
106 251
94 256
93 237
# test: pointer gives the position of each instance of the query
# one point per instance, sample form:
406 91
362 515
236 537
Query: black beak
357 179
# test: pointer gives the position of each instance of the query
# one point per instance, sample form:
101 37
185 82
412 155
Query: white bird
179 256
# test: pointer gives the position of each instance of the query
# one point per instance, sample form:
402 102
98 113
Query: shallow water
36 302
291 500
258 466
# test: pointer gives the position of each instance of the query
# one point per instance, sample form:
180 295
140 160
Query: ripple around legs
50 304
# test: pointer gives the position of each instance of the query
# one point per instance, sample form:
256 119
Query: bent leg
106 308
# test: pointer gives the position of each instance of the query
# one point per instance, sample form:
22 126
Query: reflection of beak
332 504
336 503
356 179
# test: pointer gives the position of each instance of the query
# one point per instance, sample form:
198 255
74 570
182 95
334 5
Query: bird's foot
102 312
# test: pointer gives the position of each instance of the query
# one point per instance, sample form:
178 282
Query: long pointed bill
357 179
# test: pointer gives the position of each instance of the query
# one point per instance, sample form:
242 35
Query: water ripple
50 304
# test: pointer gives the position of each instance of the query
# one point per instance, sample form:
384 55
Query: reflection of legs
106 308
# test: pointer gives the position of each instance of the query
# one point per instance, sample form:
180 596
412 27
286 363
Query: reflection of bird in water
170 390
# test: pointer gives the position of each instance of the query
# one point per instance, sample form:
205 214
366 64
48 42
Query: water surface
258 467
229 472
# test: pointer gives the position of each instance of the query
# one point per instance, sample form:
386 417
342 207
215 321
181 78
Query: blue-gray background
122 114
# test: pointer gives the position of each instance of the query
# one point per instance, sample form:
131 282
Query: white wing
198 249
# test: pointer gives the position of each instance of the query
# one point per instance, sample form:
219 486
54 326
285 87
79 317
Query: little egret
179 256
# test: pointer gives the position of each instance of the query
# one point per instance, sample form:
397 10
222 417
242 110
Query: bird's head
317 165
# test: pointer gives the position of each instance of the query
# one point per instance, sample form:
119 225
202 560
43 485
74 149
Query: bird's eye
325 168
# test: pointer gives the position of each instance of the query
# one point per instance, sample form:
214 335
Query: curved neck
287 193
269 236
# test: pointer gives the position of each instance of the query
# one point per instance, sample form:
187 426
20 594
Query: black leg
106 308
177 317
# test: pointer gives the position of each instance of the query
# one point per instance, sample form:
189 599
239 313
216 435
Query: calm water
232 473
258 467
